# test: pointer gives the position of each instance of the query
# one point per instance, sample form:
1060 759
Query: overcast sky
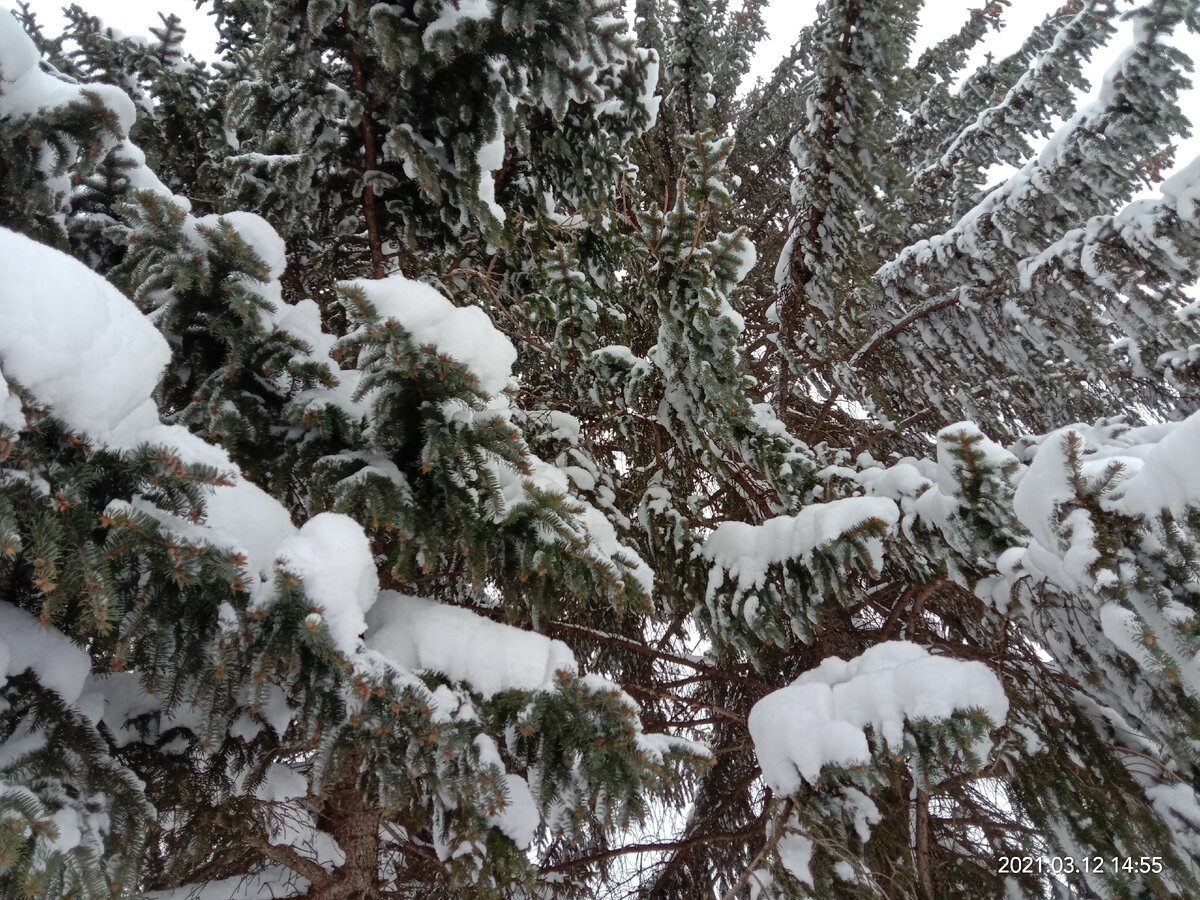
784 20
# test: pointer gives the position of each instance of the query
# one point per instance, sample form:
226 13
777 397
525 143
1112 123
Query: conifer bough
470 448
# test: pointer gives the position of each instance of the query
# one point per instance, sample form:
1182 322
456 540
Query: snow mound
417 634
25 643
819 718
333 557
463 333
72 339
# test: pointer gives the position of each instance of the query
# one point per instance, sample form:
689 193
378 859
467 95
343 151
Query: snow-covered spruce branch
493 523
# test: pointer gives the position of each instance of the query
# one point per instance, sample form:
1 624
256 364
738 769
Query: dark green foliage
594 194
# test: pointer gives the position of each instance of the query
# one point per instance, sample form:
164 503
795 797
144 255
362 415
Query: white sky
134 17
784 20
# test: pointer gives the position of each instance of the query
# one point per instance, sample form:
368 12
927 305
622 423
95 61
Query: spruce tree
472 448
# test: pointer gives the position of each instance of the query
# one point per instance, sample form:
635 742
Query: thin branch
777 831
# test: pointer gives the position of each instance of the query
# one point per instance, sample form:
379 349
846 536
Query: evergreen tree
471 448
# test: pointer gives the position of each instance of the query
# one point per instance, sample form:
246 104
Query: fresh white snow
95 358
819 719
333 557
746 551
453 14
25 643
418 634
465 334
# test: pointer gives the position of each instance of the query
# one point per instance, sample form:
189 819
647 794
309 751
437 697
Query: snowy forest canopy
476 448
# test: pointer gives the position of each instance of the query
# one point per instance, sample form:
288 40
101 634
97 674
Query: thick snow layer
27 644
82 349
1043 488
1063 547
121 698
747 260
603 542
747 551
247 520
819 718
1124 629
240 517
1183 189
900 482
937 505
1178 805
650 86
417 634
465 334
517 490
272 883
262 239
72 339
27 89
282 783
142 177
18 55
70 829
519 819
303 320
333 557
1169 477
1158 475
258 234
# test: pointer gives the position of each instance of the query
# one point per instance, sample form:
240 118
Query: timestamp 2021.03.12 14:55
1088 865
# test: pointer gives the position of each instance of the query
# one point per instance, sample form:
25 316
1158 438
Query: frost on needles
474 448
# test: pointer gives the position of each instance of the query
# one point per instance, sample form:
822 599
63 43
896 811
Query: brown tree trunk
350 819
923 845
805 230
370 205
